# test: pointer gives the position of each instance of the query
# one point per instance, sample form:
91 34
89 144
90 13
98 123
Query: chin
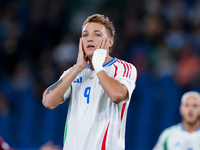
90 56
191 121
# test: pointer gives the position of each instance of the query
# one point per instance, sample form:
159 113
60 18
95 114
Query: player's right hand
82 59
98 59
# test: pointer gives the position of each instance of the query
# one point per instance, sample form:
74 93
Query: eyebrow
97 31
94 31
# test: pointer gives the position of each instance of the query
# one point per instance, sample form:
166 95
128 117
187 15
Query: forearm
113 88
53 95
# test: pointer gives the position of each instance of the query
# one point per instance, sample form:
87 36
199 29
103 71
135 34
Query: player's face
92 34
190 110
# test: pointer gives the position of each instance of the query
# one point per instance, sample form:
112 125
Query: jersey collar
182 127
107 64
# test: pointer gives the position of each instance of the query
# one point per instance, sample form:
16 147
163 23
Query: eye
97 34
186 105
195 106
84 35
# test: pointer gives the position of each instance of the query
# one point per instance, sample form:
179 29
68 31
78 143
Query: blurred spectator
194 13
195 37
153 7
187 72
46 73
55 19
4 105
140 59
163 62
10 35
174 9
176 36
65 53
22 77
153 28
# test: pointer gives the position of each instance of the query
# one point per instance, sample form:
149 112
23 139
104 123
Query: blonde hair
98 18
188 94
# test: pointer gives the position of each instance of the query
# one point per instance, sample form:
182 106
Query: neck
191 127
108 58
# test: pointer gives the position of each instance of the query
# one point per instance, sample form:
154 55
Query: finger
107 44
80 45
103 43
81 49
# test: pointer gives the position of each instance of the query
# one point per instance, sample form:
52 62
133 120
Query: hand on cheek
100 54
82 58
103 44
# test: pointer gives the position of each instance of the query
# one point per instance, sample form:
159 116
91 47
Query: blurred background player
185 135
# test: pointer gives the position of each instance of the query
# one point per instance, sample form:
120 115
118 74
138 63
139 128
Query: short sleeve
161 141
163 138
68 92
126 74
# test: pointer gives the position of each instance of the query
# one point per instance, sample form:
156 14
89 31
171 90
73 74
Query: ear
111 42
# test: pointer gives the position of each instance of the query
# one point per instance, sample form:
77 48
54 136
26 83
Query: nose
89 38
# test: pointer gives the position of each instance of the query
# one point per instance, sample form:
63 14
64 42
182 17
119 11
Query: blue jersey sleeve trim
110 62
107 64
182 127
198 129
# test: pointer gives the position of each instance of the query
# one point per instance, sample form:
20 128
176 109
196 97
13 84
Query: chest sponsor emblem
177 144
79 80
90 78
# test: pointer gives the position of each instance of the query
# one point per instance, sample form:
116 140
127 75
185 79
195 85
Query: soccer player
185 135
100 89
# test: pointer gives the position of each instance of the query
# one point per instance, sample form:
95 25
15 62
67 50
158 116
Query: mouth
90 46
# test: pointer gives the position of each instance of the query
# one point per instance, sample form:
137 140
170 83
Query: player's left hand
100 54
103 44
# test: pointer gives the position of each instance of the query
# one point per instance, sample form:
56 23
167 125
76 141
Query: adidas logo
177 144
79 80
